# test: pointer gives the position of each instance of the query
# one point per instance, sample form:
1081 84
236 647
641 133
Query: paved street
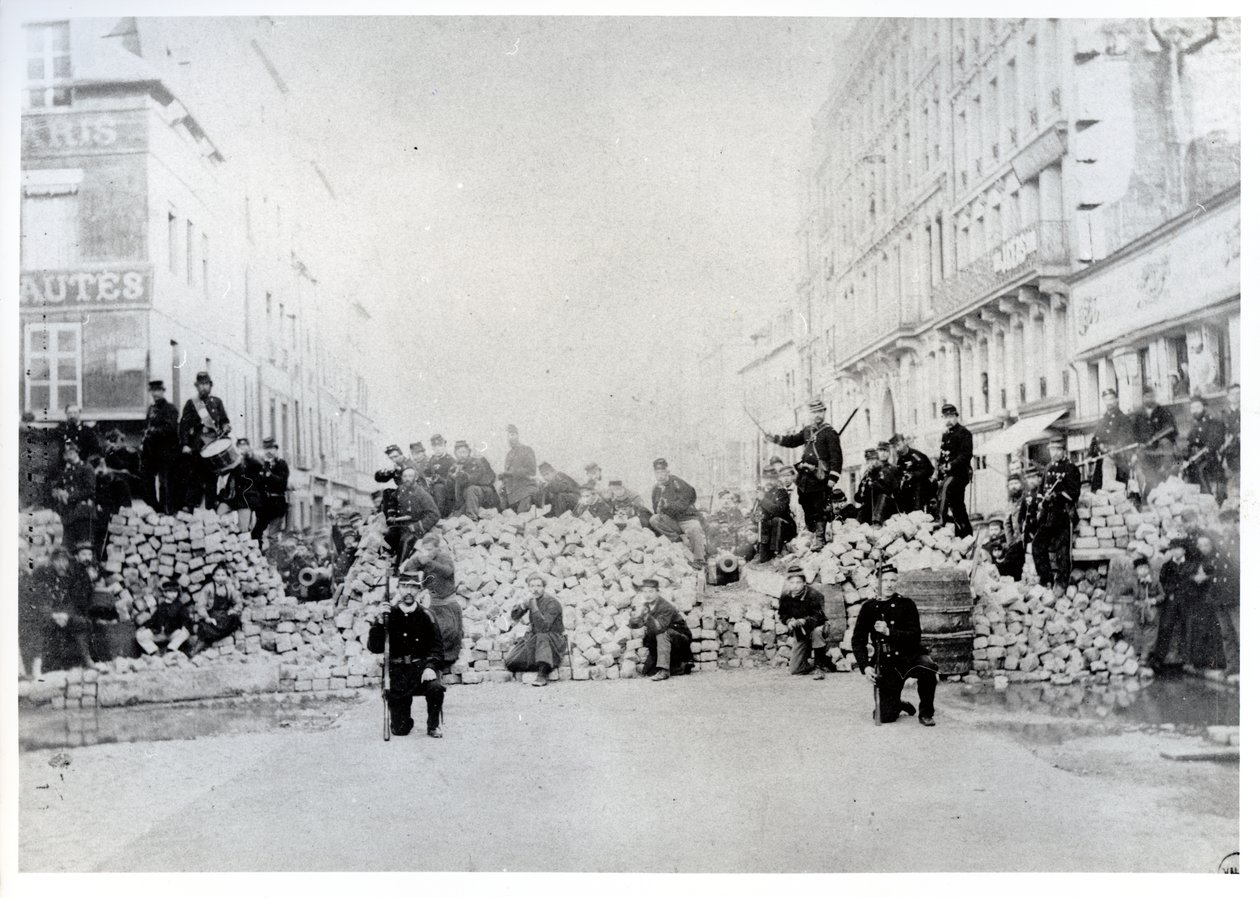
734 772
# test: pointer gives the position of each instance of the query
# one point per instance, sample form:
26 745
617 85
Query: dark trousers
224 625
814 505
68 646
158 485
1209 476
535 651
1227 619
473 498
915 496
268 510
443 492
774 535
78 524
200 482
404 682
1172 632
1012 564
669 651
892 680
1052 555
951 505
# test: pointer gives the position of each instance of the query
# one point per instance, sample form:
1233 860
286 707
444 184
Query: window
189 249
47 65
54 366
50 218
172 242
1179 367
205 266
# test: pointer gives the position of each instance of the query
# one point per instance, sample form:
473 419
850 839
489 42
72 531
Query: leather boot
435 714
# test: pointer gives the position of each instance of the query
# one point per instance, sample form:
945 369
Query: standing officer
890 621
1151 422
914 476
953 472
1113 431
1056 511
1203 464
414 660
273 486
203 421
817 471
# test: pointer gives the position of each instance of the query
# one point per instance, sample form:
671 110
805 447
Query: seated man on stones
415 659
802 611
627 504
410 515
434 568
219 607
474 482
667 636
592 503
674 513
544 645
559 491
890 623
62 592
169 625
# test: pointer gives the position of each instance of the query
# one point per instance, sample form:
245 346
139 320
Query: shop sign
1015 251
78 133
1195 268
128 285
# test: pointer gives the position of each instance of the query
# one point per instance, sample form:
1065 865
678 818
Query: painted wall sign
121 285
77 133
1194 268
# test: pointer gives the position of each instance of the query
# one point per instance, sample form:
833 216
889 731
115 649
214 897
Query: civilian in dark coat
170 626
802 611
1174 580
63 593
73 430
543 647
666 634
159 452
73 495
519 475
674 513
414 661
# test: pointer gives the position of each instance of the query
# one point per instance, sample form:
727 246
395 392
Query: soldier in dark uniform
520 484
1154 461
667 636
62 593
1013 527
817 471
414 660
1114 430
914 476
724 528
626 504
399 463
802 610
1056 513
441 468
473 481
558 490
73 430
410 513
159 452
1030 507
674 513
202 421
891 623
1203 464
862 496
772 520
877 494
273 488
953 473
594 504
73 493
1231 451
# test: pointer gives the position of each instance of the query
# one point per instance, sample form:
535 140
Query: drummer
204 421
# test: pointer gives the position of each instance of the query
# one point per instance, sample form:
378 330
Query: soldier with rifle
953 473
877 491
1156 432
914 476
890 623
414 659
1230 452
1056 517
771 520
817 471
1203 445
1113 431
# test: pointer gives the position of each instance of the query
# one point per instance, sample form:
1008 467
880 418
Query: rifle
878 642
1194 458
385 661
1139 444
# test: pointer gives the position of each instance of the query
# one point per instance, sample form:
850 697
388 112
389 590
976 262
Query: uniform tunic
772 518
519 472
438 577
903 654
561 492
415 645
1114 430
1206 432
1056 518
914 481
813 484
953 468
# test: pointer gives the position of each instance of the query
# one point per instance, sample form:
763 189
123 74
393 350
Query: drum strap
204 414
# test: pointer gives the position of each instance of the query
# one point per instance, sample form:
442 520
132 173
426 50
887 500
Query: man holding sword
817 471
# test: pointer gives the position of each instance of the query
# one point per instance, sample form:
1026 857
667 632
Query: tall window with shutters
54 367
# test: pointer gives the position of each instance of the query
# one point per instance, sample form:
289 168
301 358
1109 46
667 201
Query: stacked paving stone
1025 631
40 533
1108 520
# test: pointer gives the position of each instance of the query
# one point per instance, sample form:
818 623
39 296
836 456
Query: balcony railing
1037 246
862 328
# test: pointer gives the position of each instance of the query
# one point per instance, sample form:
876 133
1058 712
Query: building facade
148 253
994 212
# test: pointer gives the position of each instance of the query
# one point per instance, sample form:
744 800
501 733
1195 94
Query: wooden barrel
943 597
833 605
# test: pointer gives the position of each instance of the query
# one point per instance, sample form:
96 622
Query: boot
820 664
433 723
907 708
660 675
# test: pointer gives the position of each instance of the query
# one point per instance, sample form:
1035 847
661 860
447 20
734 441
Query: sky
546 217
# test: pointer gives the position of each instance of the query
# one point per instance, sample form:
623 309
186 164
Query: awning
1025 430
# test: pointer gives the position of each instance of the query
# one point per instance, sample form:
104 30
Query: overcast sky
559 211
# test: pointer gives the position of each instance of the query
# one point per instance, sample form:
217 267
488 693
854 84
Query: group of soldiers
427 486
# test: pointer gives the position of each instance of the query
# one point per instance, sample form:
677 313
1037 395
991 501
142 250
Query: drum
222 455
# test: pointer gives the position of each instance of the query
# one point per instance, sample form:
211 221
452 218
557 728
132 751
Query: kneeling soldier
801 611
543 646
667 636
415 648
891 623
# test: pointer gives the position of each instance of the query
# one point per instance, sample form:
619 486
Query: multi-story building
149 253
995 211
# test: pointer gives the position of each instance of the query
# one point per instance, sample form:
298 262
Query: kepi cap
203 377
948 409
660 464
157 385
